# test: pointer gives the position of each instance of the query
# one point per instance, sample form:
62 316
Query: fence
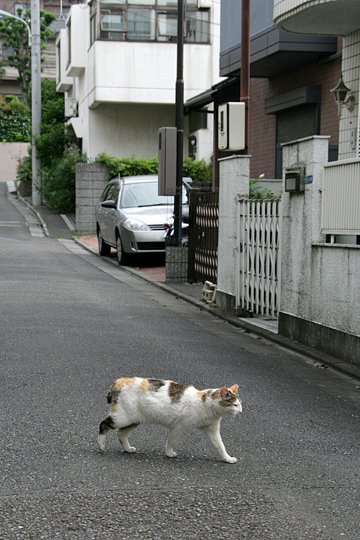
203 236
258 260
341 198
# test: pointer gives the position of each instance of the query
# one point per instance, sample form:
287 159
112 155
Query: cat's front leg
122 434
213 432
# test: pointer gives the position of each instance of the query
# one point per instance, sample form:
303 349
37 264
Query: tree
14 36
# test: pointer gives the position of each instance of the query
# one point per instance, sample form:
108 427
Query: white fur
135 405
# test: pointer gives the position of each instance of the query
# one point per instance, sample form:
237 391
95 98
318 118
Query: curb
321 360
37 214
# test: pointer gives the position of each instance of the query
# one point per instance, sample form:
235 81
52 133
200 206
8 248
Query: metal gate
258 260
203 236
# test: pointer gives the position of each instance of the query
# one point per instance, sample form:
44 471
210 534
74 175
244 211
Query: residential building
117 63
336 18
290 87
8 81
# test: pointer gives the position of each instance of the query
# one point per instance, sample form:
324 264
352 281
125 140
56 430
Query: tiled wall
349 123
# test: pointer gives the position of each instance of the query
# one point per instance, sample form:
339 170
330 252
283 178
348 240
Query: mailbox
295 179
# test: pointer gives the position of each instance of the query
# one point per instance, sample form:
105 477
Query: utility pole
245 71
179 122
35 98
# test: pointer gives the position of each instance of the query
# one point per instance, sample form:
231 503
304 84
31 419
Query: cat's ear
234 388
224 393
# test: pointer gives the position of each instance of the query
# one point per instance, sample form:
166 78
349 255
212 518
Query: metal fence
258 261
341 198
203 236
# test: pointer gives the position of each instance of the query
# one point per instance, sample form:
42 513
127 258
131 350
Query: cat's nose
239 407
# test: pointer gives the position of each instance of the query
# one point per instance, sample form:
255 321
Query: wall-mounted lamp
343 96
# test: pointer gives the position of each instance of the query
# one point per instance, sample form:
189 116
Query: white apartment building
116 64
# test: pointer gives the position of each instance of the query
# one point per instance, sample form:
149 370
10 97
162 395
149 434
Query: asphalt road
69 324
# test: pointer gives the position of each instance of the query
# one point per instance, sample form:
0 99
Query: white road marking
10 224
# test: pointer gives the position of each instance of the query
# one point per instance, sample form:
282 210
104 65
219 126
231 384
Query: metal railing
258 261
203 236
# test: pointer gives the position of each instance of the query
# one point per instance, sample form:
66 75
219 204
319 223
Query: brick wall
325 73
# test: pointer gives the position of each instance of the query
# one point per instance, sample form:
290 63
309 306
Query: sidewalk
58 226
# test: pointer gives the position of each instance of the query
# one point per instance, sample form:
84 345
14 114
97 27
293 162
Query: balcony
330 17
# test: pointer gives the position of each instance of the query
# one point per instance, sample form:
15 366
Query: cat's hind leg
213 432
105 426
122 434
173 437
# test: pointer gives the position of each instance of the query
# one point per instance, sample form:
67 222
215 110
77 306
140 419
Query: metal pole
35 99
245 71
179 122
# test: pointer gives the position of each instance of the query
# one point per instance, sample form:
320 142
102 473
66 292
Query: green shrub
128 166
258 192
199 171
24 175
15 121
58 182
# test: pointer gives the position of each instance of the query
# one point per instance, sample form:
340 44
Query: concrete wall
90 182
10 154
125 130
320 293
233 181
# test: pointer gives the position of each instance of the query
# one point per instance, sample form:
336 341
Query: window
112 24
167 26
141 24
147 20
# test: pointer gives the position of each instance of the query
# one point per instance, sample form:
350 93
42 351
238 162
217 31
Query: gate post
233 181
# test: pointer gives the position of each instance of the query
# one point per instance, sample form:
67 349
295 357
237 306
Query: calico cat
179 407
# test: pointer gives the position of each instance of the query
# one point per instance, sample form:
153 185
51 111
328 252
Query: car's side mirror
109 204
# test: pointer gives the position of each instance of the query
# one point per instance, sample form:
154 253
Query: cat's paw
171 453
229 459
101 442
131 450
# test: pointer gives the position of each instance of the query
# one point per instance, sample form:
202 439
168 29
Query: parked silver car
130 217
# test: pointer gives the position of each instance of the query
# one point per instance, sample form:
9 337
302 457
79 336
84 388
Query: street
70 324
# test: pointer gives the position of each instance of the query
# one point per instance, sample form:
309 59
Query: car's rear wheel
104 248
120 253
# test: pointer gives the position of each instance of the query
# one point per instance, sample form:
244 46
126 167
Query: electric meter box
295 178
231 126
167 161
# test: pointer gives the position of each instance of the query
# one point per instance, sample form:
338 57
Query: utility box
295 178
231 126
167 161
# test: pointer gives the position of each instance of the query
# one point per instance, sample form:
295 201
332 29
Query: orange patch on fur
119 383
144 385
234 388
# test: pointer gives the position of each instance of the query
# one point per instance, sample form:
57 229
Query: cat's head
228 399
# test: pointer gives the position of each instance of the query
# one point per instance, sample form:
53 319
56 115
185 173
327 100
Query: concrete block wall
320 294
176 265
91 178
